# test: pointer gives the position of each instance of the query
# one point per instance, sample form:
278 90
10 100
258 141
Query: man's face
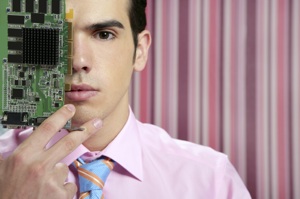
103 58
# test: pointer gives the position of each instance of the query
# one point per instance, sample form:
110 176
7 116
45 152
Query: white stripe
194 80
296 98
241 90
259 106
266 97
273 99
218 73
205 73
262 111
136 94
227 77
286 143
173 48
199 66
158 62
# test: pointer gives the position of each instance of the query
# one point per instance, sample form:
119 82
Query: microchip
40 46
42 6
16 5
40 120
56 84
17 58
14 45
29 5
22 74
15 19
56 6
17 93
14 32
37 121
37 18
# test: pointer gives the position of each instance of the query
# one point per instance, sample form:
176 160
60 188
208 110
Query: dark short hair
137 17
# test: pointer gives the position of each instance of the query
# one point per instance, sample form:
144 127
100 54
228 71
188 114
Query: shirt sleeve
8 143
231 186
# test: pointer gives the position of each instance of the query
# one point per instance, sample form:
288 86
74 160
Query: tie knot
93 175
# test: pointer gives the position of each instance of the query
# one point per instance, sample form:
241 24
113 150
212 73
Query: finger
61 171
71 189
43 134
71 141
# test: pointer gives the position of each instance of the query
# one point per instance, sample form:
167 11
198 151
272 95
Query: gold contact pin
70 66
67 87
70 49
70 14
70 31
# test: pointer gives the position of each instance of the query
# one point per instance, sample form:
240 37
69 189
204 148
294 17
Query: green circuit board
35 56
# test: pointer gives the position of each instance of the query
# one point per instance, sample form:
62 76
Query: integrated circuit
35 55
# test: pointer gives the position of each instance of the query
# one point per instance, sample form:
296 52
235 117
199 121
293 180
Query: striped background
225 73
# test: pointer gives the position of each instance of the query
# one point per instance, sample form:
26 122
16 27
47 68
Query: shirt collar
126 148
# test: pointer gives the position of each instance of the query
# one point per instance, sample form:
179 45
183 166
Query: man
110 42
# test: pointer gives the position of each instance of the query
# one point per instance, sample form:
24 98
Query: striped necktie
92 177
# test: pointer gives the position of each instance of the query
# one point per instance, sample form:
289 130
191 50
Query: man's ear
141 57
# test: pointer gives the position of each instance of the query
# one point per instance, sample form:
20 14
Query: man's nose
81 54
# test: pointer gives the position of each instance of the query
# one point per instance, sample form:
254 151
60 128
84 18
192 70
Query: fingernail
70 107
97 123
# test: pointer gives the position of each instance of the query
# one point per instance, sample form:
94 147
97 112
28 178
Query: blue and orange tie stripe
92 177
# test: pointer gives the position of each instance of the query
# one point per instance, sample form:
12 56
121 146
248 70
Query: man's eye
104 35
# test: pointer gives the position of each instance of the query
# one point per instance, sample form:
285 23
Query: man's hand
34 172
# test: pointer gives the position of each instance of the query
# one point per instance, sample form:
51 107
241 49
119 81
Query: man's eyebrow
105 24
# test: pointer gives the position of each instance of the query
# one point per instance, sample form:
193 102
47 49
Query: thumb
71 189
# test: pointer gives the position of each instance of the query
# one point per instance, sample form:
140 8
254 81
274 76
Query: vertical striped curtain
225 73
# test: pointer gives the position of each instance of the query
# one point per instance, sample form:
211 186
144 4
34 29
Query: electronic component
35 55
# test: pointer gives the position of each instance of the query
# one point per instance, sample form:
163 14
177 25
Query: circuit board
35 55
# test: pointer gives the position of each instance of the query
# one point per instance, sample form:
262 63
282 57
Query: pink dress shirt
151 164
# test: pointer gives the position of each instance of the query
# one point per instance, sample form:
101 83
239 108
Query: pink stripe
164 65
282 123
250 78
213 75
144 95
299 70
260 100
192 65
183 71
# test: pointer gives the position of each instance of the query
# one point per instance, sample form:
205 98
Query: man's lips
82 87
81 92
